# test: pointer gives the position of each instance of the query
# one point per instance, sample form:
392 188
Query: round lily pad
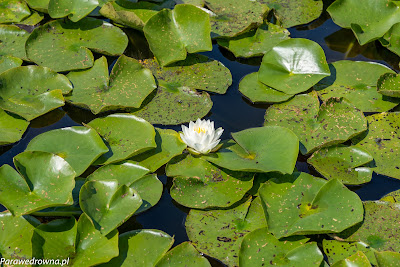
78 145
293 66
13 11
389 85
183 255
309 205
343 163
64 45
9 62
11 128
334 122
12 41
357 82
339 250
43 180
74 9
128 85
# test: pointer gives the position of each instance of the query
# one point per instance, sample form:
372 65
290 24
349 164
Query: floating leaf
259 150
107 204
9 62
293 66
387 258
309 205
195 72
389 85
64 45
183 255
369 20
78 145
12 41
343 163
11 128
359 259
33 19
334 122
13 11
201 185
356 81
391 39
74 9
338 250
258 92
382 141
39 5
173 34
142 247
260 246
219 233
393 197
43 180
255 42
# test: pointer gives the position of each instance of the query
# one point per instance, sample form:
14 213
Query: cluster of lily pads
71 188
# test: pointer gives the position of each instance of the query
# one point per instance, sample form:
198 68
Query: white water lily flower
201 137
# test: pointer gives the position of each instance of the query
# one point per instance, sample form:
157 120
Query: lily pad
183 255
387 258
39 5
201 185
13 11
260 247
128 85
78 145
309 205
33 19
9 62
339 250
43 180
219 233
259 150
383 143
64 45
357 82
173 34
369 20
389 85
196 72
293 66
343 163
359 259
393 197
11 128
334 122
230 18
168 144
12 41
126 135
255 42
107 204
74 9
391 39
257 92
144 247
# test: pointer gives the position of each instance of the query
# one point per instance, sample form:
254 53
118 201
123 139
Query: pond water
234 113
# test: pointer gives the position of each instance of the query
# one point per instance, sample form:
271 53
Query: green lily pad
393 197
334 122
230 18
389 85
201 185
293 13
12 41
128 85
369 20
168 144
183 255
39 5
260 247
357 82
43 180
379 229
107 204
196 72
142 247
64 45
172 105
343 163
359 259
259 150
293 66
383 143
257 92
74 9
173 34
11 128
391 39
13 11
255 42
126 135
387 258
15 235
9 62
31 91
339 250
219 233
78 145
33 19
309 205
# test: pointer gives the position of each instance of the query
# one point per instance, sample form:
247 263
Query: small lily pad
334 122
359 259
174 33
9 62
293 66
13 11
43 180
12 41
74 9
389 85
343 163
11 128
183 255
339 250
78 145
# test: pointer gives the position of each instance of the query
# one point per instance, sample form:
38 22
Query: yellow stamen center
200 130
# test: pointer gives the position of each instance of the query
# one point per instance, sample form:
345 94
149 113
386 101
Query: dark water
234 113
